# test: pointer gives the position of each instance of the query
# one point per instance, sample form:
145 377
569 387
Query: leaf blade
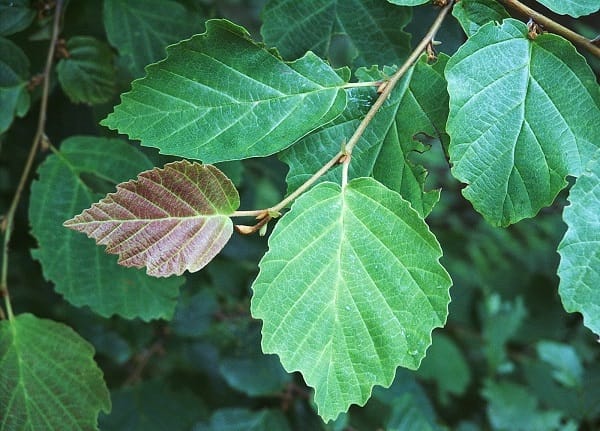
220 96
168 220
332 261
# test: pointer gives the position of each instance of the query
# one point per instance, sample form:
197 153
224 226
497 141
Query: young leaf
141 29
520 116
14 73
16 15
575 8
87 75
472 14
417 105
580 249
220 96
372 28
49 380
81 271
168 220
343 297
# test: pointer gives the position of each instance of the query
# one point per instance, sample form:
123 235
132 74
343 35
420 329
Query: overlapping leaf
575 8
472 14
87 75
80 270
14 74
522 116
350 289
168 220
49 380
579 268
361 32
141 29
417 105
220 96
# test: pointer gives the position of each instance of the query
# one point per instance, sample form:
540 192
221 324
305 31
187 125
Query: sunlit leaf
575 8
141 29
14 74
87 74
16 16
361 32
472 14
579 250
77 176
168 220
49 380
221 96
521 116
343 297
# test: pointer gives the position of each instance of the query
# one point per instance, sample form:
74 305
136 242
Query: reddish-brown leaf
168 220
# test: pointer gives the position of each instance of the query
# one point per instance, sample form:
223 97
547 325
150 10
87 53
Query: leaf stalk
38 140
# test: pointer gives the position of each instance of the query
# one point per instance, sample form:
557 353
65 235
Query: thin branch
40 136
344 156
553 26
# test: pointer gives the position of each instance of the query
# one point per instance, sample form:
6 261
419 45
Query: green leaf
472 14
258 375
575 8
564 358
81 271
220 96
418 105
342 299
580 249
515 129
49 380
408 2
14 75
446 367
156 407
512 407
194 314
87 74
241 419
141 29
168 220
362 32
15 15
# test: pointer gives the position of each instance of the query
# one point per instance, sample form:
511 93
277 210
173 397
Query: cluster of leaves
349 286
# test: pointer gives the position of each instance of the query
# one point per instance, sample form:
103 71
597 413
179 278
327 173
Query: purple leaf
168 220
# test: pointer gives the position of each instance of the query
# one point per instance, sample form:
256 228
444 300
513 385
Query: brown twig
553 26
40 136
344 156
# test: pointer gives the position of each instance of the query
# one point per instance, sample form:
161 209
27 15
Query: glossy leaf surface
342 296
361 32
49 380
79 175
168 220
221 96
87 75
579 250
140 30
520 119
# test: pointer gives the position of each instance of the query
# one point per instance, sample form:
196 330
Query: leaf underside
350 289
579 268
80 270
220 96
49 380
521 116
168 220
